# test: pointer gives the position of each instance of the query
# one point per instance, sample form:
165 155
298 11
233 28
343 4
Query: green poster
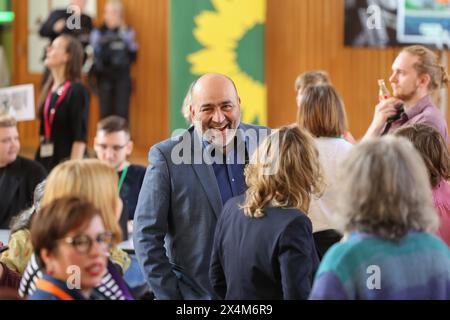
225 36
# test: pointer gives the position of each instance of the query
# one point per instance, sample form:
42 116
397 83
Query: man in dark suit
18 176
188 180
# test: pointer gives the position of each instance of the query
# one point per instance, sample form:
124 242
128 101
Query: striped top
368 267
112 286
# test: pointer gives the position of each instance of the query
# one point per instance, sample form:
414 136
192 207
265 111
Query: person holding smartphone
416 75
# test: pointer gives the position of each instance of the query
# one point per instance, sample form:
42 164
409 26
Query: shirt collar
421 105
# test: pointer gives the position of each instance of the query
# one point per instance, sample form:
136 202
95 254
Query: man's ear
130 146
424 80
96 146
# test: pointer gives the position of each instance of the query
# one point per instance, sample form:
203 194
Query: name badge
47 150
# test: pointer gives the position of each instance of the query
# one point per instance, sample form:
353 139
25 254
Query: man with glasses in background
113 145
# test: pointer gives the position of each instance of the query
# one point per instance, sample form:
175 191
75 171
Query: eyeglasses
82 243
116 148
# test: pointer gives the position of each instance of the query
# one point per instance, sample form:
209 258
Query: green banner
225 36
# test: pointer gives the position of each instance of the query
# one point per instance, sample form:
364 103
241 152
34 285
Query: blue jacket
41 294
176 215
273 257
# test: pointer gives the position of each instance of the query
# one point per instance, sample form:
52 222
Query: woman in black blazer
263 246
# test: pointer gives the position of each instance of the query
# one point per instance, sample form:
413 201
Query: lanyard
49 287
49 118
122 177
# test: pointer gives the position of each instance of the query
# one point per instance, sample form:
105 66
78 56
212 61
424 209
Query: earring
50 269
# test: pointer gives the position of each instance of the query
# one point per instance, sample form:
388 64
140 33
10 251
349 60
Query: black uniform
114 50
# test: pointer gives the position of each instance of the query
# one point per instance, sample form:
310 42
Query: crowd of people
227 210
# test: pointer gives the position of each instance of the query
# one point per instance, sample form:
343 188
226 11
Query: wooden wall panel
149 104
309 34
300 35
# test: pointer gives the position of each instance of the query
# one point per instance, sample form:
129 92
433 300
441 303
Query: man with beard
416 74
189 179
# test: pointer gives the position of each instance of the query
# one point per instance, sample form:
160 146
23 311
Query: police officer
114 50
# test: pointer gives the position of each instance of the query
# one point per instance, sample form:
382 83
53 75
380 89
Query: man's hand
59 25
383 111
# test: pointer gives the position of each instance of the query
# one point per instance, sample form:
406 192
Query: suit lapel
205 172
206 176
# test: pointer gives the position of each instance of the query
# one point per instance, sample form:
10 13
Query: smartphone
400 110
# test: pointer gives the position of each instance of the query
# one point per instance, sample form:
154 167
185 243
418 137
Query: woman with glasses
96 182
71 245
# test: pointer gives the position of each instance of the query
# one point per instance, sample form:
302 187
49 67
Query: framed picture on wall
384 23
38 12
370 23
18 101
423 21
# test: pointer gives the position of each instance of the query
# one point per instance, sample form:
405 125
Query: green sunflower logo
232 37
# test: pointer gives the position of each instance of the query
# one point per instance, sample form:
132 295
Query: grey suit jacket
178 207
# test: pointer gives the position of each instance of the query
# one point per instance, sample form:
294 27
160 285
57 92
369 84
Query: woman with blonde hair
322 113
263 246
96 182
87 178
386 210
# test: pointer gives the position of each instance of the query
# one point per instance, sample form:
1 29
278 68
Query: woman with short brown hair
72 245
